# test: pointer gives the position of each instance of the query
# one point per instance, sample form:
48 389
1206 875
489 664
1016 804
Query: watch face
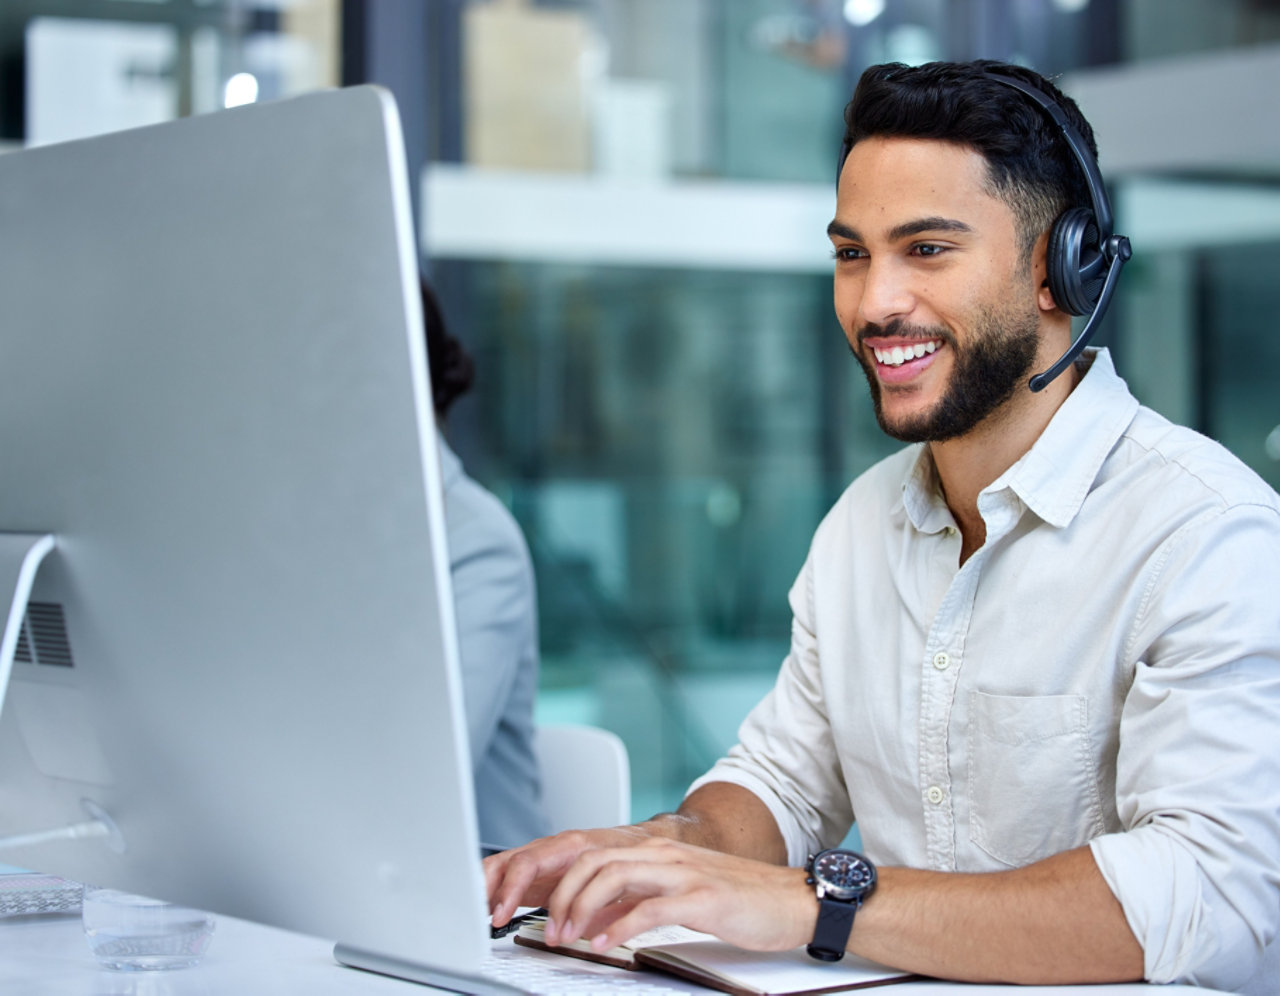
844 874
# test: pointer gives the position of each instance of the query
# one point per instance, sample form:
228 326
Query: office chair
586 777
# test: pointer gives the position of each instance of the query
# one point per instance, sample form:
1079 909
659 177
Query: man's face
931 287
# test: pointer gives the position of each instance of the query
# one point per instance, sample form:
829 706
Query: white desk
43 956
48 956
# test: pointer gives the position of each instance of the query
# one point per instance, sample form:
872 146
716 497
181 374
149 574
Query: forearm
1052 922
723 817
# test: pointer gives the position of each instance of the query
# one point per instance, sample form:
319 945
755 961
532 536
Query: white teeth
897 356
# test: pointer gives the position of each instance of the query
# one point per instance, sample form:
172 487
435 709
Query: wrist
804 909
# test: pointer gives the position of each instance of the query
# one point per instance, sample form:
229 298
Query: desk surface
48 956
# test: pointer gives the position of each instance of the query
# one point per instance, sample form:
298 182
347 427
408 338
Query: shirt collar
1054 476
922 494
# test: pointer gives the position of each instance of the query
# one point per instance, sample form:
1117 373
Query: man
1036 654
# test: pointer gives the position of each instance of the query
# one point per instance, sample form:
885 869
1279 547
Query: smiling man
1035 653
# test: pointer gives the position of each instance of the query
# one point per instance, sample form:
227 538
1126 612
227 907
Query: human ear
1040 274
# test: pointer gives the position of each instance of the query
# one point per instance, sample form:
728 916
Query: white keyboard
535 975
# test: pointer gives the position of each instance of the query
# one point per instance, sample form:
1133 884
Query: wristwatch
842 880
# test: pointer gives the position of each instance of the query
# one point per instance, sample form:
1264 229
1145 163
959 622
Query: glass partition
668 440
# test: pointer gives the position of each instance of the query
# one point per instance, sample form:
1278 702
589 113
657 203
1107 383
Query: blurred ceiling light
242 88
860 13
1071 6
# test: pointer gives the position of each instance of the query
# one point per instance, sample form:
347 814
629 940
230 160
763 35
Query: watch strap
835 922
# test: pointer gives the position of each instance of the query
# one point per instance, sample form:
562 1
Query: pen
514 923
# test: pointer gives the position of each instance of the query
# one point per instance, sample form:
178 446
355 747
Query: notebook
708 961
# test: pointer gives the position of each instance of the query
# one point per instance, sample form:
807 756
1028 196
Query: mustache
898 329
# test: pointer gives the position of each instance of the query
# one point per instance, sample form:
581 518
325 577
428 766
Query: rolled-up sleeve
785 753
1197 866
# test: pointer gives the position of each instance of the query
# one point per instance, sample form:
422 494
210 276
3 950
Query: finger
559 928
518 884
623 878
530 873
758 912
656 911
626 845
495 868
605 918
588 864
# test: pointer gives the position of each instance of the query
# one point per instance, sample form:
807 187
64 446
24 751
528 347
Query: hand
611 894
526 876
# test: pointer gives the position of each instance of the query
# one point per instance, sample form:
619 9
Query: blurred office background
623 204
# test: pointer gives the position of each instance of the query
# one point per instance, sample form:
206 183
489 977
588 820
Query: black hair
452 369
1029 164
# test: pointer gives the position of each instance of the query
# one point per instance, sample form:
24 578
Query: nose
885 292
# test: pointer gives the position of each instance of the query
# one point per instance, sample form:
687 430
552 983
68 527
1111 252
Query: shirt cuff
1159 887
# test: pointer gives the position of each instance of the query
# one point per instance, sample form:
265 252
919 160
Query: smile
899 355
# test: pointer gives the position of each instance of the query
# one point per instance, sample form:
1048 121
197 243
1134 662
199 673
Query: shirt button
942 660
935 795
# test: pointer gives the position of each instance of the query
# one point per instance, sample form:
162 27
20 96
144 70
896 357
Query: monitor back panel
213 391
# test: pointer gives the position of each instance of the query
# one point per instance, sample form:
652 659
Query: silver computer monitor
213 395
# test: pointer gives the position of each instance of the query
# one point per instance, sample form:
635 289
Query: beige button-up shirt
1104 670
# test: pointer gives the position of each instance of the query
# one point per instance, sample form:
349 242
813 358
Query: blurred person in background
496 604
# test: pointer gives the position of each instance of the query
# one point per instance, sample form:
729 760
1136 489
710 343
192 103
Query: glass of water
131 933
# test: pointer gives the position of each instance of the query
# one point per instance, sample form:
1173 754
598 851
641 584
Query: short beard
984 374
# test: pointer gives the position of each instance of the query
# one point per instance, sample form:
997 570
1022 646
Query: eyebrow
903 231
839 228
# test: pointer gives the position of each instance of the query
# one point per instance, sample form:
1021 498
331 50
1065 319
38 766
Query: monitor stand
20 557
99 824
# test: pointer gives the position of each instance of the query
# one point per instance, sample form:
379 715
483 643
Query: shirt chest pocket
1033 790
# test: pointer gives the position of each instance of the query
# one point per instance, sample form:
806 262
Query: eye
928 249
847 254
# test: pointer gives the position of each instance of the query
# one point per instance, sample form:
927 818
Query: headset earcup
1071 261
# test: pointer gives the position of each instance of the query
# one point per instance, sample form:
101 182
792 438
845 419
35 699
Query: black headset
1084 256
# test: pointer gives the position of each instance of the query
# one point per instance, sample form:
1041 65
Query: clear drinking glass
131 933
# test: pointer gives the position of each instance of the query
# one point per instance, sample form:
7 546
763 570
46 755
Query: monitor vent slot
43 639
23 652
